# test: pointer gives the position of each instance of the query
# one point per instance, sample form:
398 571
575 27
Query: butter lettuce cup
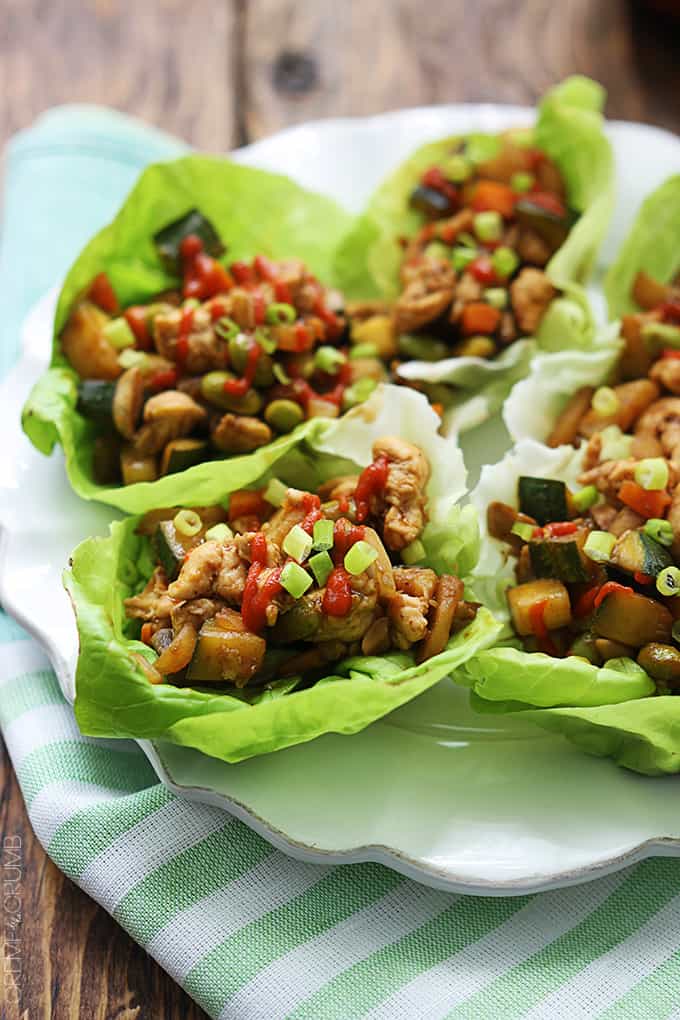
199 326
470 257
313 595
587 585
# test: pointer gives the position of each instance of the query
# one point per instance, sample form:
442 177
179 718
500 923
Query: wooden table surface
220 74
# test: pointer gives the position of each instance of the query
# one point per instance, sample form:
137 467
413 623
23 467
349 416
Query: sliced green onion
280 312
505 261
661 333
523 138
668 581
358 392
467 239
321 565
457 168
488 226
329 360
280 373
227 328
297 543
675 631
652 473
462 257
187 522
191 302
264 338
615 445
605 401
437 250
219 533
322 534
480 147
275 492
295 580
660 530
521 182
131 359
497 297
413 553
363 351
599 545
118 334
523 530
360 557
585 498
127 572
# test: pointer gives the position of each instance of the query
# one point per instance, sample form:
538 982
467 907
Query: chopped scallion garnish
523 530
652 473
329 360
522 182
295 580
488 225
275 492
615 445
363 351
497 297
585 498
297 543
280 312
660 530
605 401
599 545
668 581
321 565
118 334
219 533
187 522
462 257
359 557
322 534
226 328
504 261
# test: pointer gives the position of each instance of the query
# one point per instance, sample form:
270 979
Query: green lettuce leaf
569 129
653 244
114 698
610 710
253 211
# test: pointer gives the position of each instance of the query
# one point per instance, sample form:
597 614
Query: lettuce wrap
115 698
653 244
607 711
569 128
254 212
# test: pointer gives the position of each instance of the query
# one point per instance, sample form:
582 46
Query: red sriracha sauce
482 269
337 598
670 312
239 387
312 508
163 380
282 292
136 318
372 481
242 273
539 629
102 294
257 598
547 201
203 276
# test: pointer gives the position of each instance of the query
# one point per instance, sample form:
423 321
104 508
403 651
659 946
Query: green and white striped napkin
248 932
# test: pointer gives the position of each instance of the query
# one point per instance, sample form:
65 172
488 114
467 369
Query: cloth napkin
248 932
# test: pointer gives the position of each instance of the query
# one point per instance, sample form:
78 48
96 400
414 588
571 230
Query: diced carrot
646 502
558 528
136 318
494 197
478 317
102 294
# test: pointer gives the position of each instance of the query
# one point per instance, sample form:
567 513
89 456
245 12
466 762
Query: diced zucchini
633 619
168 240
637 552
560 557
106 459
662 662
170 549
548 225
299 623
556 605
95 401
225 651
183 453
544 499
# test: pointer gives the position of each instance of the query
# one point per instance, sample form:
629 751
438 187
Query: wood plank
304 61
167 61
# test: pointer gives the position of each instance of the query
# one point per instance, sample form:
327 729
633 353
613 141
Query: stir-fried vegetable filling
284 582
223 365
599 568
472 277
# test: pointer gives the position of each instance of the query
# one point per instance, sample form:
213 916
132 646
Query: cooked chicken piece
632 399
84 344
533 249
507 333
339 488
625 520
661 420
603 514
667 372
154 603
376 640
407 476
530 295
198 573
231 578
275 556
291 512
238 433
592 452
409 609
168 415
128 398
467 289
195 612
428 291
609 476
206 350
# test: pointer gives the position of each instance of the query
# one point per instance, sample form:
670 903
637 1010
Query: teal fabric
247 931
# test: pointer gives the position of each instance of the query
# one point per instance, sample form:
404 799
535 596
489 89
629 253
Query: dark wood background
221 73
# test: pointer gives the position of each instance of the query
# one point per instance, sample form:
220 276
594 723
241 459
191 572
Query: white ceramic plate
462 802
